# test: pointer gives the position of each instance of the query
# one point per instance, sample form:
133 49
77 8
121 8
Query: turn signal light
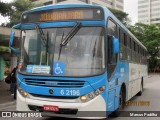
24 94
92 94
102 89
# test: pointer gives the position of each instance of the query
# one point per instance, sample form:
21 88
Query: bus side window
123 45
128 49
112 58
133 47
140 53
132 50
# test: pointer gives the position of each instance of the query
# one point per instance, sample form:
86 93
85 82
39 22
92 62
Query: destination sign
63 15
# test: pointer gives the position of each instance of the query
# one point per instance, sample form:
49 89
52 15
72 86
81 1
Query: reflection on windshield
82 56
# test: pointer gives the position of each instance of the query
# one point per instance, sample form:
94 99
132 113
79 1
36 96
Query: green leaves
15 9
4 49
18 7
149 35
4 8
122 16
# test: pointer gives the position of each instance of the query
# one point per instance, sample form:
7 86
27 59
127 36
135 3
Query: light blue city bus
77 59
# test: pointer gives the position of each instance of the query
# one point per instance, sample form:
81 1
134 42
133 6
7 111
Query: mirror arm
17 26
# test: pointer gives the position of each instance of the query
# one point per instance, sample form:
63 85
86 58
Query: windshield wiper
60 46
71 34
43 38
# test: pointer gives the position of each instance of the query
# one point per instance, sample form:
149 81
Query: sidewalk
5 96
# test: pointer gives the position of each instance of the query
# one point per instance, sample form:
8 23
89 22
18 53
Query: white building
149 11
115 4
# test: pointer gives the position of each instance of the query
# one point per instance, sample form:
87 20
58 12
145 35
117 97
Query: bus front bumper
95 108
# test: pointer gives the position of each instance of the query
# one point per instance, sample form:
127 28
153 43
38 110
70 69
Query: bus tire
121 103
141 90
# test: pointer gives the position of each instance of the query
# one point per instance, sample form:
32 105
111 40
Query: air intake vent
54 83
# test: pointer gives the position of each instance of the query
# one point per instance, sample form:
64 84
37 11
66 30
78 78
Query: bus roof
56 6
107 14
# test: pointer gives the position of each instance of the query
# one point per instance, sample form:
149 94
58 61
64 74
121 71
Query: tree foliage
16 8
122 16
149 35
4 49
4 8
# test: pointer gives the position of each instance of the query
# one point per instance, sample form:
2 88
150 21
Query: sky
130 7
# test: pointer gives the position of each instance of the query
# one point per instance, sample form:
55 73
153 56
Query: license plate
50 108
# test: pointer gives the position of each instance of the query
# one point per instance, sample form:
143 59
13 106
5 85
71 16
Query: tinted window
112 58
112 30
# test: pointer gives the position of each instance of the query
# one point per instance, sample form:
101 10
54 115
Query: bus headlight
22 92
92 94
83 98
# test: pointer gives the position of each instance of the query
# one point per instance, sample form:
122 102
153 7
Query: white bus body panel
136 72
97 104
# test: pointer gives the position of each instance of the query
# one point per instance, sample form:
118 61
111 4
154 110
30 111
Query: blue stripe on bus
62 24
91 84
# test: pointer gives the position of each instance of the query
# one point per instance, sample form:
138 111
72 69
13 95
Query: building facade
115 4
149 11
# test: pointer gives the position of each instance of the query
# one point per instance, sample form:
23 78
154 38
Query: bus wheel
121 104
141 90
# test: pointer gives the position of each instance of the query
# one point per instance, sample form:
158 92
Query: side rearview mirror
12 35
11 43
113 47
11 38
115 44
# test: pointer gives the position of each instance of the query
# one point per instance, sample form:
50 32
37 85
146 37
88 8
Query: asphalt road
151 97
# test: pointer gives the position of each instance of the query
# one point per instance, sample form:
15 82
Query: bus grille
54 97
54 83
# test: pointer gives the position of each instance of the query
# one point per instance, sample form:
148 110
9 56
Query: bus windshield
83 55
